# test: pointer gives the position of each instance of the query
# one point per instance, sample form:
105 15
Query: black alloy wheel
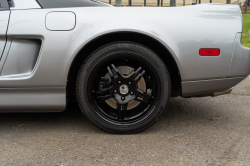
123 87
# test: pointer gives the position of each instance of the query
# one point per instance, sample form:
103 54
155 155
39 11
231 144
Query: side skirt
48 99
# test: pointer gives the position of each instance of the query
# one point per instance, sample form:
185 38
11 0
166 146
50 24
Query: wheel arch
136 37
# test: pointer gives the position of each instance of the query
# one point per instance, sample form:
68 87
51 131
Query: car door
4 19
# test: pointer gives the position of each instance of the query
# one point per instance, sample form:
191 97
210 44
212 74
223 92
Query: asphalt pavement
194 131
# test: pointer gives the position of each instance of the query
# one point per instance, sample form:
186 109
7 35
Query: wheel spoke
112 76
137 71
121 110
117 72
106 97
103 91
139 76
143 96
134 74
125 106
140 100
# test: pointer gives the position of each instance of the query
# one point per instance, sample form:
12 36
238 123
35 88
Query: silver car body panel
240 60
4 19
182 30
22 57
32 99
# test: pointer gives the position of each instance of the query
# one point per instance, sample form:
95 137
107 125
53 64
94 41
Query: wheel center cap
124 89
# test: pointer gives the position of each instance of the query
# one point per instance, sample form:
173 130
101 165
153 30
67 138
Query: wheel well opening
145 40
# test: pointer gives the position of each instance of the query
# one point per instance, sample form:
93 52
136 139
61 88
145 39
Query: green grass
246 25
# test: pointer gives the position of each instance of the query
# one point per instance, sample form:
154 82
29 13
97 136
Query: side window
69 3
4 5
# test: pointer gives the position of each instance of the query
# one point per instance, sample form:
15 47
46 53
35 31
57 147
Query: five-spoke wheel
123 88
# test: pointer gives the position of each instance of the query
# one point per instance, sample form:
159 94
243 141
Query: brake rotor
125 70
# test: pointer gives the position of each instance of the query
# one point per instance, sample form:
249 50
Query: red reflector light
209 52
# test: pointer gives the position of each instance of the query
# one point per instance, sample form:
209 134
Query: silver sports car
121 64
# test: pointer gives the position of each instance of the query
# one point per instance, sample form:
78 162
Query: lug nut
123 98
129 83
115 91
119 82
131 93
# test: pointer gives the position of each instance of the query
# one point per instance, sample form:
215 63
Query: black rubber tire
130 48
